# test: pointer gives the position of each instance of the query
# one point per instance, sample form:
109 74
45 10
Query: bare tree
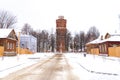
92 34
38 34
33 33
7 20
76 42
68 40
52 42
82 40
43 41
27 29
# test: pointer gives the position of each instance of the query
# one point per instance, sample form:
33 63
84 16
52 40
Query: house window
1 44
100 48
11 46
105 48
8 45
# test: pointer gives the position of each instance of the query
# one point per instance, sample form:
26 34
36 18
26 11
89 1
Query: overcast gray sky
80 14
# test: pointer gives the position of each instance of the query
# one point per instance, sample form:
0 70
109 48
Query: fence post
18 46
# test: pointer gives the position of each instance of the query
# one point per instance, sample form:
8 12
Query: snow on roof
112 38
94 41
5 32
25 35
115 34
111 34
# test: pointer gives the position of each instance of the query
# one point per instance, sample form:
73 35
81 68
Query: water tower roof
61 17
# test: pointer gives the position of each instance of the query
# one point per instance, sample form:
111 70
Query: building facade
61 34
28 42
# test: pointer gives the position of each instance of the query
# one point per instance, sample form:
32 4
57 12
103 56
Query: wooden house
107 46
8 40
109 42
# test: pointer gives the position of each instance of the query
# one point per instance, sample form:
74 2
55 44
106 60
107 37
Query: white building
29 42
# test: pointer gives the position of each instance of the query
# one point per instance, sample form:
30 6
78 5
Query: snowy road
54 68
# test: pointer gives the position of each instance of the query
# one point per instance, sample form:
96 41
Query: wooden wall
95 51
23 51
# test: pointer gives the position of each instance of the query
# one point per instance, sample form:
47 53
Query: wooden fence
1 50
114 51
23 51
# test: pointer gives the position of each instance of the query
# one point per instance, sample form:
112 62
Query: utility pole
18 46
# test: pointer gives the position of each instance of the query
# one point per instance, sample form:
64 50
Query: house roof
115 34
112 38
25 35
5 32
96 41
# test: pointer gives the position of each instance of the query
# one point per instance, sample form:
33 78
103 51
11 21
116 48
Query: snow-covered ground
91 67
12 64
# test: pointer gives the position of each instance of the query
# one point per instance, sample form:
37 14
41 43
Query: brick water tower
61 34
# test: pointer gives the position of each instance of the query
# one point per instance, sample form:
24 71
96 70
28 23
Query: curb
114 74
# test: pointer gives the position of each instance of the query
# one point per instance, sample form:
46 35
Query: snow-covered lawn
91 67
